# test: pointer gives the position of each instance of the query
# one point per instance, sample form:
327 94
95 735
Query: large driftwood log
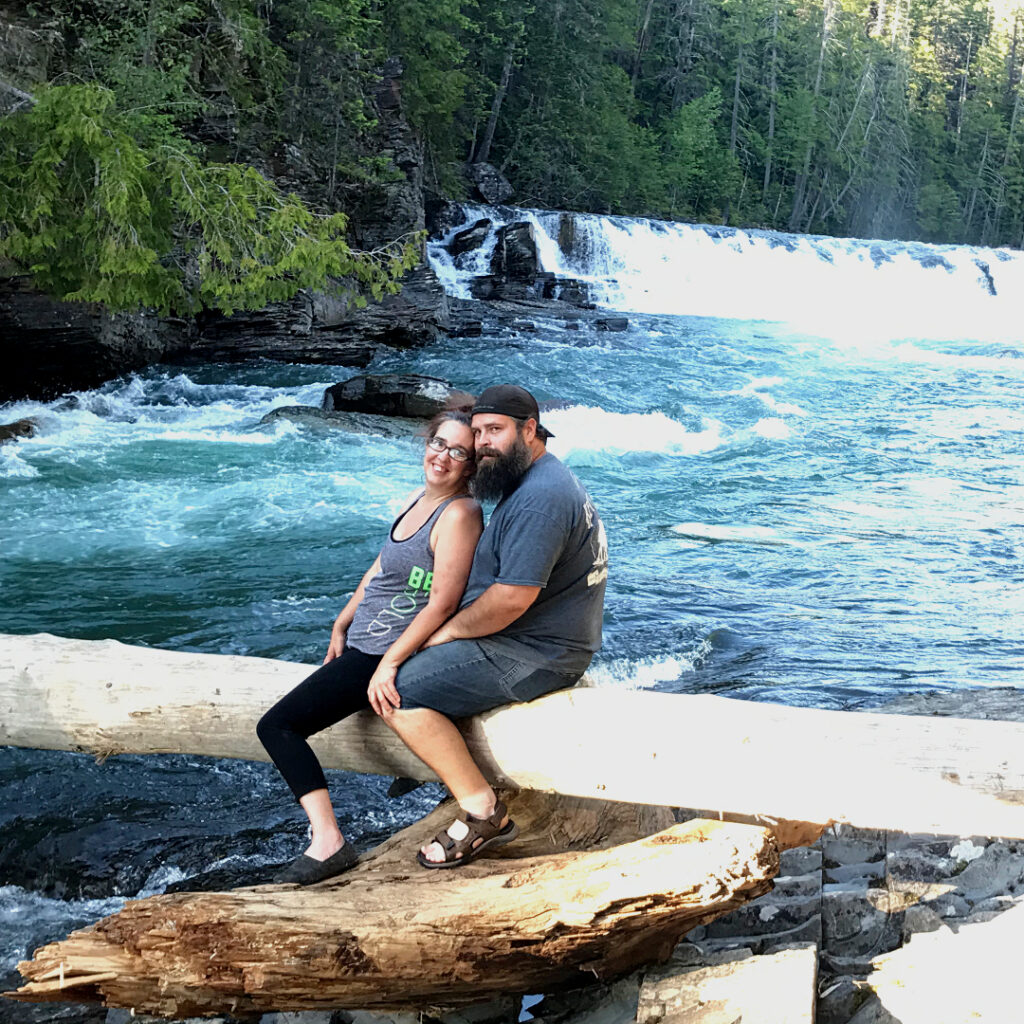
389 935
917 774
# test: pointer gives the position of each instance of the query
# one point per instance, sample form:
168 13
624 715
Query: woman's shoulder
462 510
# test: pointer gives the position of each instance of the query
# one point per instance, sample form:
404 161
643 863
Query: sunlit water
826 519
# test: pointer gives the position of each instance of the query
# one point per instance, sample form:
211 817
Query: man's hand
336 646
382 693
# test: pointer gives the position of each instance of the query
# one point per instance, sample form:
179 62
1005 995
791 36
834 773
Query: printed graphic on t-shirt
402 607
599 571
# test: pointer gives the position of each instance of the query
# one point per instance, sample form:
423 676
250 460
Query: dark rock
393 394
311 417
523 325
491 184
986 276
612 323
472 238
491 288
321 328
441 216
567 233
48 347
839 999
384 209
19 428
469 329
880 255
515 253
567 289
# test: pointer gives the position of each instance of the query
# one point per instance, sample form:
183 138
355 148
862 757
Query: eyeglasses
456 452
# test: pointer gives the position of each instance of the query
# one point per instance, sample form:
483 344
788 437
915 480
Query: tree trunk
641 42
484 152
916 774
390 935
800 192
772 91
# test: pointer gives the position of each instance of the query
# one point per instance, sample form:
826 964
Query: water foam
647 673
585 428
865 289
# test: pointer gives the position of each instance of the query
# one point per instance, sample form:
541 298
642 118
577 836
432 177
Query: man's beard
499 476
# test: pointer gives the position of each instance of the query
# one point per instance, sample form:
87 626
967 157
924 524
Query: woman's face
439 467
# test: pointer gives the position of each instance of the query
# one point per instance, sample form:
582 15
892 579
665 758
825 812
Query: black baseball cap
511 400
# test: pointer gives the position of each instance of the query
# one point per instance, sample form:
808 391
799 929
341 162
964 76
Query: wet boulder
393 394
472 238
515 254
19 428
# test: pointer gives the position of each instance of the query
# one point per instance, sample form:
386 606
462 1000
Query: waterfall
824 285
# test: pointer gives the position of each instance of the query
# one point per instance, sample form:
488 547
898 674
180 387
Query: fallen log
761 761
389 935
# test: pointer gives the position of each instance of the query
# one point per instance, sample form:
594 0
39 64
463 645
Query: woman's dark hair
447 416
458 408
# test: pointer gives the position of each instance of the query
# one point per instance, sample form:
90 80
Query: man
529 623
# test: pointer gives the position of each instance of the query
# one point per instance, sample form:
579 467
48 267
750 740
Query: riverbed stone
472 238
19 428
515 253
612 323
777 988
858 920
800 860
391 394
847 845
997 870
596 1004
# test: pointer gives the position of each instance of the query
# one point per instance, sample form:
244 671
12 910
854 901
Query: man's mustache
487 451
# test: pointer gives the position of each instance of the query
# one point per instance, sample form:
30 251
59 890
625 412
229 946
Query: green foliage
94 214
903 118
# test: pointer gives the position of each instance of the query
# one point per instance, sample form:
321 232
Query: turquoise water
790 517
819 521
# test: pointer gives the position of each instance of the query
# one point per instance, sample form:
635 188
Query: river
807 454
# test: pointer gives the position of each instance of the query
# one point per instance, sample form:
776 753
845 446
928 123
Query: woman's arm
339 630
456 534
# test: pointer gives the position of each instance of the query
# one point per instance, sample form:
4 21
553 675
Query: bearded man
529 622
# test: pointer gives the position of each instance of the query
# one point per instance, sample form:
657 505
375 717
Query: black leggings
331 693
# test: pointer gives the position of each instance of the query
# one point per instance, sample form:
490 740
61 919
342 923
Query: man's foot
468 836
306 870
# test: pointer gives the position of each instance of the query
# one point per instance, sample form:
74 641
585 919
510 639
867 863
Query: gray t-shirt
546 534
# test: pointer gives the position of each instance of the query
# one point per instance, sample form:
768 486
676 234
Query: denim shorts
460 679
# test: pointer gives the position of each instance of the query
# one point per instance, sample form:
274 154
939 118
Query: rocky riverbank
49 347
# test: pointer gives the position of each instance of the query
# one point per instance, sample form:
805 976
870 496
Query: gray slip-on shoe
307 871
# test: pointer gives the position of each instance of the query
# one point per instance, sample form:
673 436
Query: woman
413 586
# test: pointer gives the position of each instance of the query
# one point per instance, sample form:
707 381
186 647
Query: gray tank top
399 591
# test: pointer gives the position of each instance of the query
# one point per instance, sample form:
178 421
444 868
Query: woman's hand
381 691
440 637
336 646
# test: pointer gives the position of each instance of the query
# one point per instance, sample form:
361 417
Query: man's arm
497 607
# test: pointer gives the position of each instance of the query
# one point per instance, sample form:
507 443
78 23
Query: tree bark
915 774
398 937
484 152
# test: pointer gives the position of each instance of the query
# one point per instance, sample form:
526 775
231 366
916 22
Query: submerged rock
515 254
472 238
354 422
19 428
393 394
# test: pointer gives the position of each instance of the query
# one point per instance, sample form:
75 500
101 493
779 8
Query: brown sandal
483 832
